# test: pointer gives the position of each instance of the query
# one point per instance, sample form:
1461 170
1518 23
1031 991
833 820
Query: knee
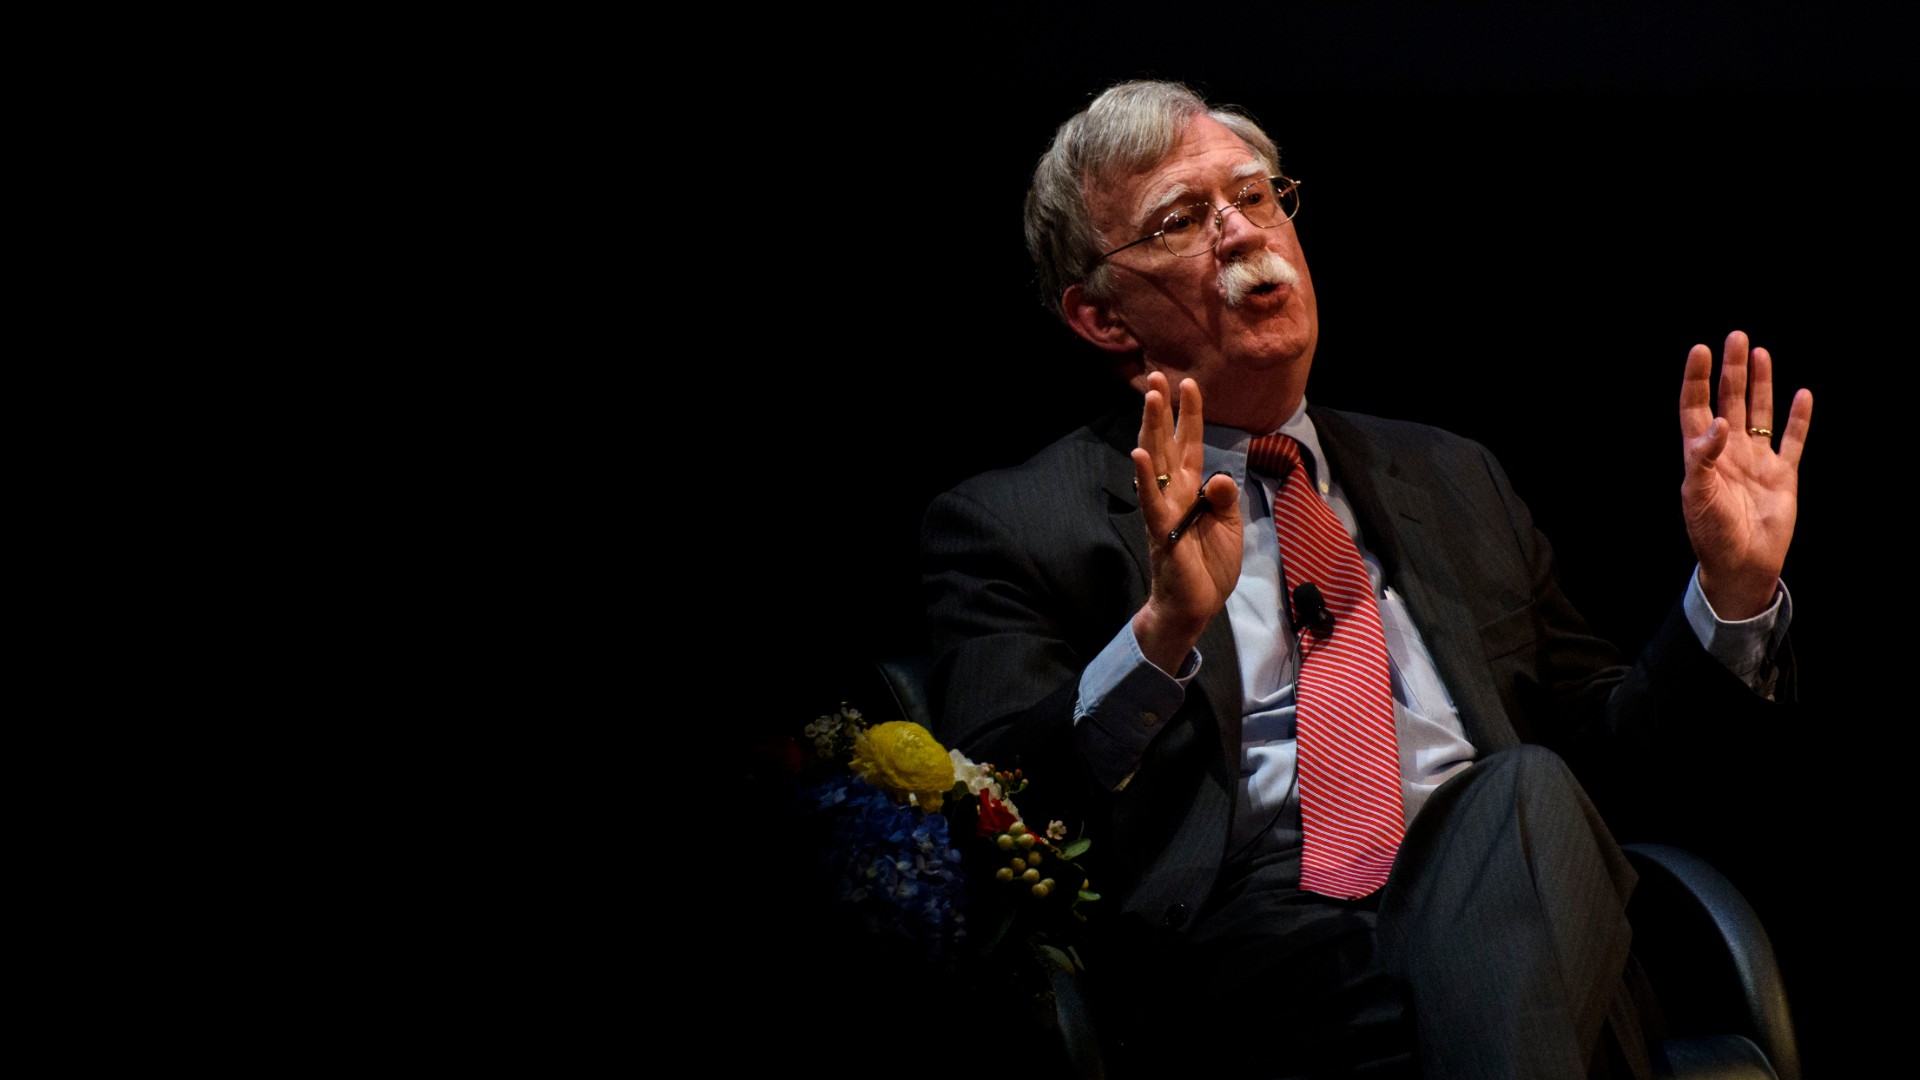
1528 764
1538 781
1523 775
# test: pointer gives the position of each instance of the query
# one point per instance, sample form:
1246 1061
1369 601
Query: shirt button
1149 718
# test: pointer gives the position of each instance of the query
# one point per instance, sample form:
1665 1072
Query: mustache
1263 267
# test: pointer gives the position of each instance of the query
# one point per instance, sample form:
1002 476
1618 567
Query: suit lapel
1401 525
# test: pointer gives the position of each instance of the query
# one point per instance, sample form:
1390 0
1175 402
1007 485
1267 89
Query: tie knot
1275 455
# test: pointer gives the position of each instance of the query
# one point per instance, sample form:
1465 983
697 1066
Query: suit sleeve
1650 739
1006 672
1019 603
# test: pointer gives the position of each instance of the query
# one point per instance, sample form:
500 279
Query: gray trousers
1496 949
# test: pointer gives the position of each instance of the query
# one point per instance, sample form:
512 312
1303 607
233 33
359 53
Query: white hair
1128 128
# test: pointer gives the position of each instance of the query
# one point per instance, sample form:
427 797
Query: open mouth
1264 274
1243 291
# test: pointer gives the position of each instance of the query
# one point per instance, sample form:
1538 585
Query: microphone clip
1310 609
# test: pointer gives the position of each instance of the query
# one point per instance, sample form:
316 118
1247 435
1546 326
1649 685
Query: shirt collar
1227 448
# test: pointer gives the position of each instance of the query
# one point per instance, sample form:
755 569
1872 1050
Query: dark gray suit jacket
1032 570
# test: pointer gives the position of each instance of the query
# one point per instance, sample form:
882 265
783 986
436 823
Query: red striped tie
1350 813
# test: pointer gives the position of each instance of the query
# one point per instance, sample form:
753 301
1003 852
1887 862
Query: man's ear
1097 321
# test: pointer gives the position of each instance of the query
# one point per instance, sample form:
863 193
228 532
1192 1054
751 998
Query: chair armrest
906 679
1692 928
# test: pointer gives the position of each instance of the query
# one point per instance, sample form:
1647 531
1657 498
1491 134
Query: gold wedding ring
1163 480
1764 432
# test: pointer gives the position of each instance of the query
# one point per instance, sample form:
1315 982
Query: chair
1701 945
1712 968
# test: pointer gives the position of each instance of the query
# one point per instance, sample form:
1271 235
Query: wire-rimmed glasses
1196 228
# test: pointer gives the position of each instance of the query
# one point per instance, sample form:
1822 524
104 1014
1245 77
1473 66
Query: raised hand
1740 496
1192 576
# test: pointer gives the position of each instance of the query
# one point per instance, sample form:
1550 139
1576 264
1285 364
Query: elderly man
1336 828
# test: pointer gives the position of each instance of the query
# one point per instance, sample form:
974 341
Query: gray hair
1128 128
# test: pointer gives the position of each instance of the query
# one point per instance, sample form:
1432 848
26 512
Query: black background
1517 218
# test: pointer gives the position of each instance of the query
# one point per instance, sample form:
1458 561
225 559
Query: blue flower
895 865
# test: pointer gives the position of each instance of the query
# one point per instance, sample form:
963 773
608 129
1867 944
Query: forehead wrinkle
1157 200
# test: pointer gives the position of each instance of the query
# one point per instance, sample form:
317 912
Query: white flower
978 778
822 732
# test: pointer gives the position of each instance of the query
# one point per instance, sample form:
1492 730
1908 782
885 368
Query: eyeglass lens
1193 229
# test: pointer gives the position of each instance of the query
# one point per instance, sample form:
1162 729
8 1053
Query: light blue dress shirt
1124 697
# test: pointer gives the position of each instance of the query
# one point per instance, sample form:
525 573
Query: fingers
1760 391
1223 494
1171 444
1733 381
1156 419
1759 404
1706 450
1192 426
1190 405
1172 441
1696 394
1145 478
1745 391
1156 439
1799 419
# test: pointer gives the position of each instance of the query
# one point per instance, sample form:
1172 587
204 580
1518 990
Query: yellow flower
902 758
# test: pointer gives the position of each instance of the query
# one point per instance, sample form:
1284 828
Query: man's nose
1238 236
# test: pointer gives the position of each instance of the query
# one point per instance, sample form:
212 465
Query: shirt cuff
1745 647
1125 700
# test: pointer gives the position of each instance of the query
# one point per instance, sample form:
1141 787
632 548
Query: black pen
1200 506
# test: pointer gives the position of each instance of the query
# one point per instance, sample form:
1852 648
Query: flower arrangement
918 831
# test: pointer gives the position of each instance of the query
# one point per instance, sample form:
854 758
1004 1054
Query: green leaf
1077 848
1057 958
1085 895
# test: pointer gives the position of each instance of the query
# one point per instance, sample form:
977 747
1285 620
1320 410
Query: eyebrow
1252 170
1160 202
